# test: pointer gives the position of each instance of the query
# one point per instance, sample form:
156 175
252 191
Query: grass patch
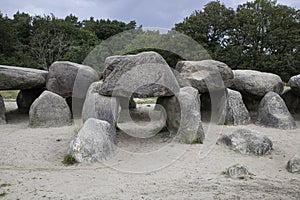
9 94
146 100
69 160
5 185
3 194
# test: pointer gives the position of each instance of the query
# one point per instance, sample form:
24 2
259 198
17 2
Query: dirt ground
31 167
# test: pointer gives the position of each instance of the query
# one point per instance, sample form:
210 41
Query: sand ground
31 167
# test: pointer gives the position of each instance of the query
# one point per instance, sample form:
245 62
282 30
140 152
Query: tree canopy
40 40
260 35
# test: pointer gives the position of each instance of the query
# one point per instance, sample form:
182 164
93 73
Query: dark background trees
260 35
40 40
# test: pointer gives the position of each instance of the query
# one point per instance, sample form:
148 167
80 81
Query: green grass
9 94
2 194
5 185
146 100
69 160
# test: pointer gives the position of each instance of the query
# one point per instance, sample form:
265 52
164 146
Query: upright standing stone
25 99
183 115
292 101
95 142
272 112
236 111
294 83
2 111
49 110
100 107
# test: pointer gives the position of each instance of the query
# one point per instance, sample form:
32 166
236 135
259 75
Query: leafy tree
260 35
209 27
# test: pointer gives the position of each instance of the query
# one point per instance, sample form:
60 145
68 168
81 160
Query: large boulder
19 78
110 64
99 106
293 164
236 111
25 99
292 101
66 77
49 110
272 112
256 84
206 75
2 111
247 142
95 142
294 83
183 115
143 75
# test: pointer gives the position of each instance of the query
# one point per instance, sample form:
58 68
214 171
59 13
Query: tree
260 35
209 27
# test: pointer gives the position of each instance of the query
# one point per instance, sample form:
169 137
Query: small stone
293 164
238 171
247 142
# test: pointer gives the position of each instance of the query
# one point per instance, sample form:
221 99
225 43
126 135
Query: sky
148 13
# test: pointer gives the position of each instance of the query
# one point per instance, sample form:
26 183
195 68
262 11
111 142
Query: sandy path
30 162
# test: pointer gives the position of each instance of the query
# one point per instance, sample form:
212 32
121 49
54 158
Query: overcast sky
149 13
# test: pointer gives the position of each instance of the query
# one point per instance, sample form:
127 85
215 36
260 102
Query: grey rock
2 111
25 99
183 115
293 164
238 171
294 83
100 107
95 142
272 112
247 142
236 111
19 78
292 101
143 75
206 75
182 81
49 110
256 84
65 78
110 64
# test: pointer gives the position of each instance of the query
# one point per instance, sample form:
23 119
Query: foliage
38 41
9 94
69 160
260 35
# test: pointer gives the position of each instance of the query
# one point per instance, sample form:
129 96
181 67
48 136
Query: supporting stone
100 107
183 115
